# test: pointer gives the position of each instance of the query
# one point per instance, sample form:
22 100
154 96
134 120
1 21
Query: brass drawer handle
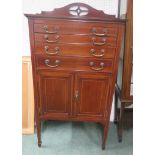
57 49
45 27
96 68
57 62
51 41
99 34
94 30
92 52
99 44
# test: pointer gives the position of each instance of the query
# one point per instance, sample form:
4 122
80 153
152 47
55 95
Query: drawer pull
57 49
96 68
94 30
99 34
57 62
45 27
99 44
92 52
51 41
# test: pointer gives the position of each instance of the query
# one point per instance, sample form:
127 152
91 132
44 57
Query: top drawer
70 27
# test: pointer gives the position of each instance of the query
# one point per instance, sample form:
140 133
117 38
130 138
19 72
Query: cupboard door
91 95
55 91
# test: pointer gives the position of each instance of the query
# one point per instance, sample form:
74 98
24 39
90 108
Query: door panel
55 92
92 94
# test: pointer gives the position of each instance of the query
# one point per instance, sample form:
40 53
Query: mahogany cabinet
75 54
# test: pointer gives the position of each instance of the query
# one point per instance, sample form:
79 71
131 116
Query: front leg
38 125
105 135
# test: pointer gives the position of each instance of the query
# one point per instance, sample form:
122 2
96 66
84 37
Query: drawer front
70 27
74 50
74 64
76 39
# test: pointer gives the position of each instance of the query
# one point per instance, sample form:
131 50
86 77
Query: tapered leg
105 136
120 124
116 105
38 125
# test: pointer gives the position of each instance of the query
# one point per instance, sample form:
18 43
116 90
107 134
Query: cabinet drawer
74 50
73 64
76 39
71 27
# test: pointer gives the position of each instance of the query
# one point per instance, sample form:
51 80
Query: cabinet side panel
115 71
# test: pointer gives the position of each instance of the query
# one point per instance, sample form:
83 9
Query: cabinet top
76 11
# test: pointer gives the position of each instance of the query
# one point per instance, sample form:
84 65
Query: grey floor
74 138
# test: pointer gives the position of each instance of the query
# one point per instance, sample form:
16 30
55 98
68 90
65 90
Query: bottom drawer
73 64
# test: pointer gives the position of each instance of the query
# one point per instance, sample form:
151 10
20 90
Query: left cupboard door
55 94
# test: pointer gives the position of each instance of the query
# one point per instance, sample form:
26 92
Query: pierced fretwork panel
78 10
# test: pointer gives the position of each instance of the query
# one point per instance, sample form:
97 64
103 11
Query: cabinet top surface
76 11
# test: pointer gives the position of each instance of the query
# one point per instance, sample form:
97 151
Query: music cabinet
75 54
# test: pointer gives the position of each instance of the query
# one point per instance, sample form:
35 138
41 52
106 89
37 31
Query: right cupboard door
91 95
